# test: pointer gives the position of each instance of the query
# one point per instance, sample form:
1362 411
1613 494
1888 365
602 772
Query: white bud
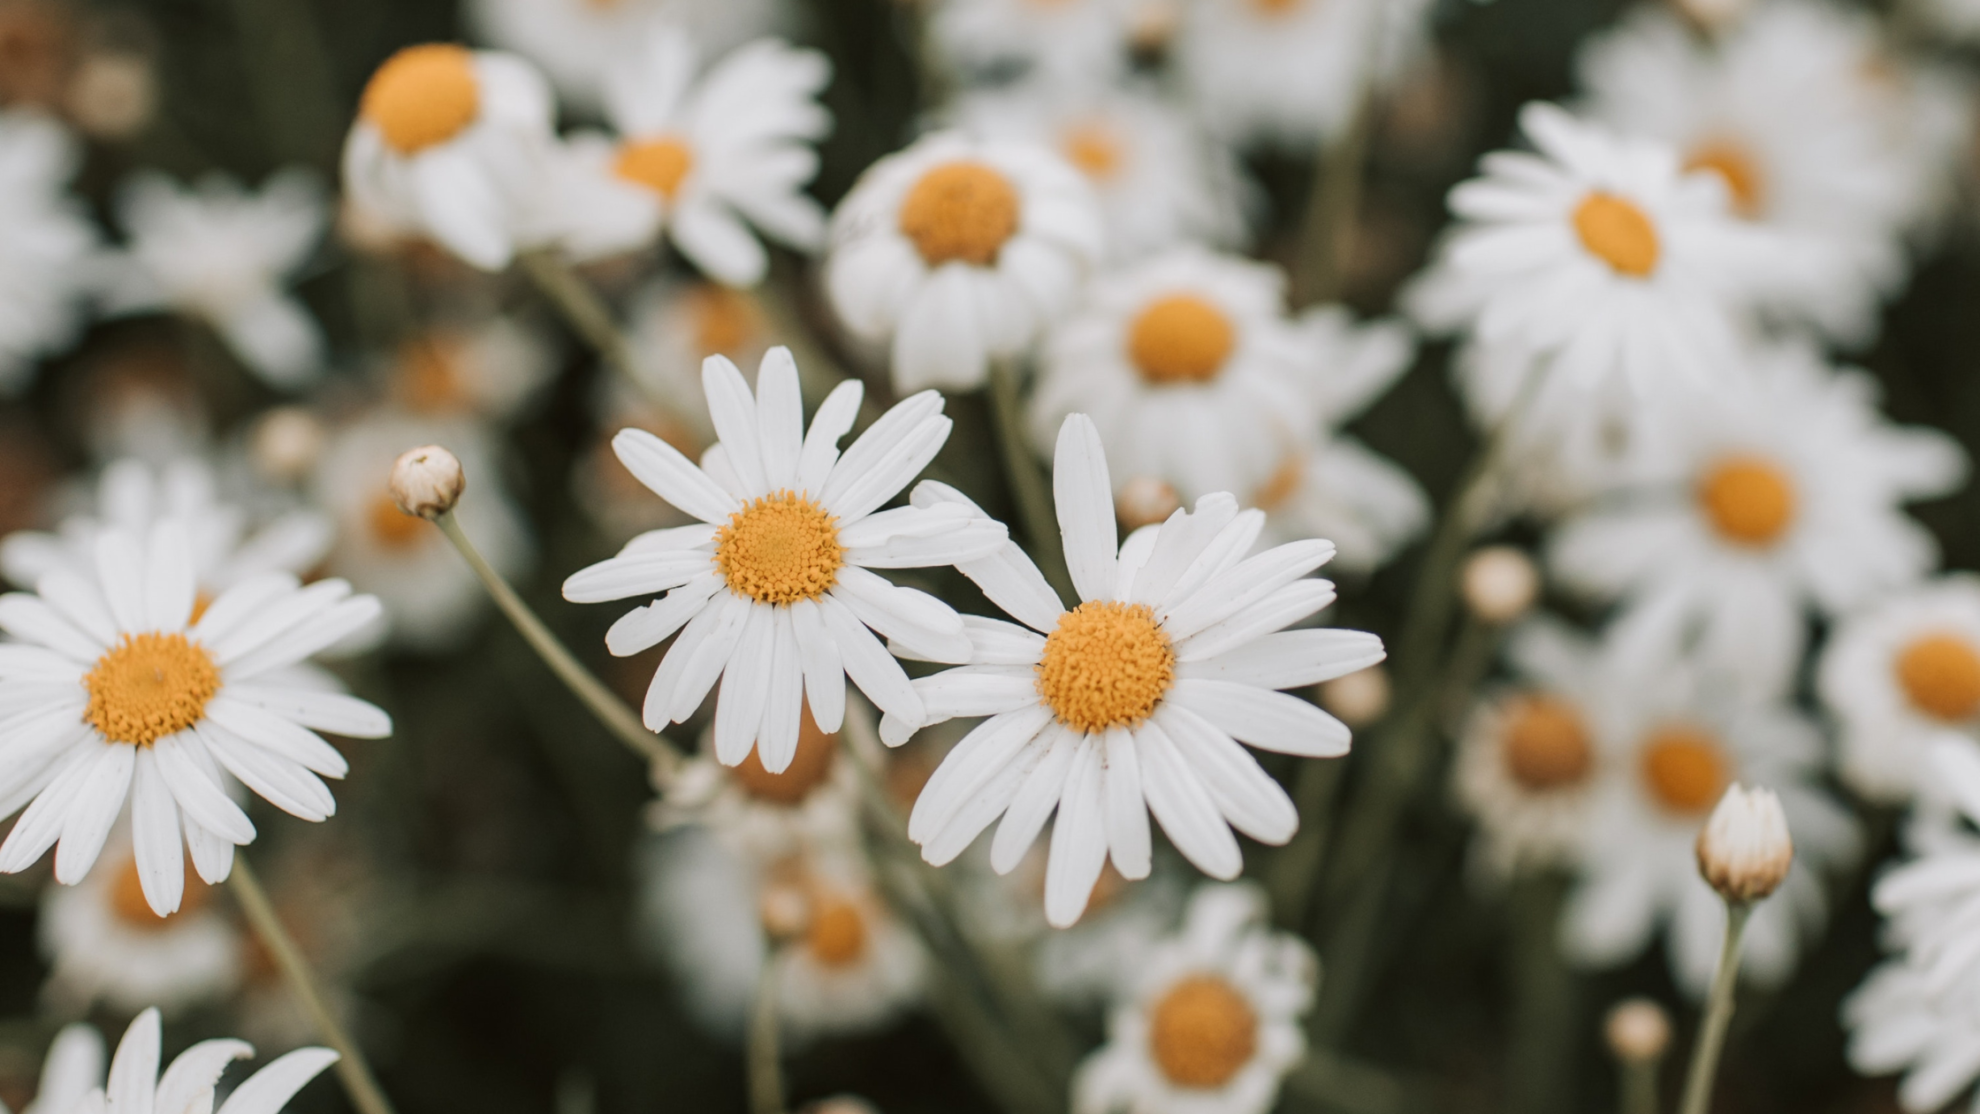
1358 699
427 481
1745 850
1637 1029
1500 583
113 94
1144 501
286 442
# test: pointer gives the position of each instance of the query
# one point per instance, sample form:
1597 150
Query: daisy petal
1265 719
270 1089
991 799
636 574
972 690
334 712
1008 576
821 443
161 858
915 618
41 825
1085 500
779 418
239 604
777 739
280 736
873 448
733 412
169 587
120 576
703 659
133 1082
1184 808
280 781
1246 795
868 663
98 800
1044 784
1178 543
1126 812
78 601
1079 840
646 627
1281 609
824 673
1290 659
194 1072
673 477
971 764
31 620
1244 584
745 688
197 792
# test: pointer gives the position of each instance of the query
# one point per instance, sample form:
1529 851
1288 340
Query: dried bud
286 442
1500 583
427 481
1144 501
1359 698
1745 851
1638 1029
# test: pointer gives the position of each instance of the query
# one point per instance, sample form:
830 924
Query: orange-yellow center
1749 501
1545 744
724 320
128 904
1618 233
391 527
1107 664
422 96
807 771
1940 675
1685 769
1202 1032
1093 148
960 211
1180 338
658 164
780 549
836 934
149 686
1738 169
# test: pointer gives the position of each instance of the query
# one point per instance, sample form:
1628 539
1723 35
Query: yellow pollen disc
724 319
1545 744
422 96
391 527
807 771
1618 233
1093 148
1737 169
1107 664
780 549
1202 1032
836 936
1940 673
149 686
1685 769
1180 338
658 164
960 211
127 900
1281 484
1749 501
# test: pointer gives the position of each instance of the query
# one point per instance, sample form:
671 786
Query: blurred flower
763 816
577 41
221 253
44 256
961 251
1077 40
771 591
74 1066
1213 1023
119 691
187 1084
1092 962
677 325
1133 701
705 161
491 368
850 965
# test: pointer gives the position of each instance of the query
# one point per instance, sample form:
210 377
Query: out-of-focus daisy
431 597
1134 701
575 40
1077 40
771 590
222 253
1599 256
812 803
454 144
72 1068
1292 72
1093 962
1901 675
1779 492
105 944
491 368
1213 1022
960 250
705 160
115 691
44 253
187 1084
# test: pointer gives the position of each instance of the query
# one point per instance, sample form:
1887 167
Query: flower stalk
766 1071
1718 1015
1028 487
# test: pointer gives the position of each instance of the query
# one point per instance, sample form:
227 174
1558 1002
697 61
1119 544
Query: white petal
277 735
704 658
636 574
745 687
197 791
279 781
1246 795
646 627
1126 812
193 1074
1290 659
971 764
777 738
161 858
821 443
1282 608
1055 749
733 412
308 637
874 446
1008 577
672 476
324 711
854 492
133 1080
98 801
779 418
271 1088
824 673
169 586
77 600
976 691
31 620
1085 500
1265 719
1178 543
239 604
868 663
914 618
1079 840
120 575
1244 584
1184 808
41 825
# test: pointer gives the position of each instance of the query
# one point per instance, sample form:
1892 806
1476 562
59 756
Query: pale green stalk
1718 1015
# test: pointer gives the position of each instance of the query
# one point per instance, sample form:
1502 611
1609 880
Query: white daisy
1213 1024
223 254
1780 492
454 144
492 368
1093 962
73 1067
961 251
771 590
45 251
1133 701
113 690
763 816
705 160
186 1086
1079 40
575 40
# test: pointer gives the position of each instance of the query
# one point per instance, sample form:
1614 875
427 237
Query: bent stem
352 1068
588 316
1029 489
1718 1014
610 710
766 1072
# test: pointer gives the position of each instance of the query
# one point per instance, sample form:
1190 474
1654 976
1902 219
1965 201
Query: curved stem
588 316
1718 1015
766 1071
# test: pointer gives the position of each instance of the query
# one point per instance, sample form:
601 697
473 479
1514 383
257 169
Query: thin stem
1639 1085
1320 271
352 1068
766 1071
588 315
1718 1014
610 710
1029 489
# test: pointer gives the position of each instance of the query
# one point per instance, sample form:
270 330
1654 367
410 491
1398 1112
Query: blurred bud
113 94
1745 851
1145 501
1637 1029
286 442
1357 699
1500 583
427 481
784 910
840 1104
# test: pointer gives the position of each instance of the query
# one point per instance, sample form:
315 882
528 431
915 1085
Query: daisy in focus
44 256
187 1084
570 39
960 251
771 590
1212 1022
1134 701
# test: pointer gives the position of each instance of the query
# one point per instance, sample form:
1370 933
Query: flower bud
1745 851
427 481
1638 1030
1144 501
1358 699
1500 583
113 94
285 443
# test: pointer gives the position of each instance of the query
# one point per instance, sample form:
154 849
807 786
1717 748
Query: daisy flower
575 40
1133 701
113 690
705 160
186 1086
223 254
491 368
764 816
1080 40
1598 256
73 1067
1213 1023
454 144
1779 493
771 590
44 255
961 251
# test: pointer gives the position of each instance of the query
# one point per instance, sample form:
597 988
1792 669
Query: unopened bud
1358 699
1144 501
1745 850
784 910
1637 1029
286 442
427 481
1500 583
113 94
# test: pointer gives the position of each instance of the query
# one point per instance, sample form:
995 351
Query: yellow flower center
128 904
391 527
1618 233
1545 744
422 96
780 549
149 686
1107 664
1180 338
1093 148
836 935
724 319
807 771
1202 1032
1685 769
1738 169
960 210
1940 673
658 164
1749 501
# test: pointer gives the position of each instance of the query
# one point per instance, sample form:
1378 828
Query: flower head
1744 850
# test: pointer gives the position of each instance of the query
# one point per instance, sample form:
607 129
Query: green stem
352 1068
1545 1011
1639 1086
1029 489
588 316
766 1072
1718 1014
1320 271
